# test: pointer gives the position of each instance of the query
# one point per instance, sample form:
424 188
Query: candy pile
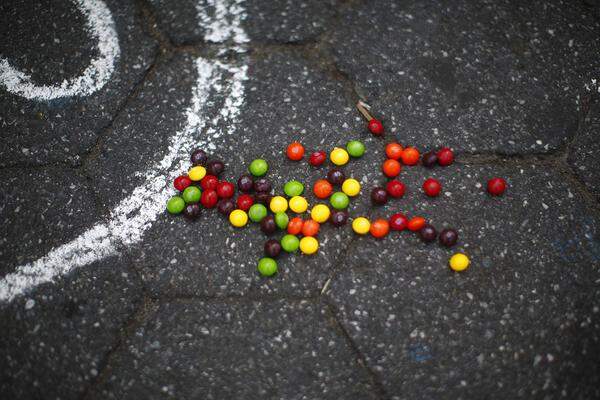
202 187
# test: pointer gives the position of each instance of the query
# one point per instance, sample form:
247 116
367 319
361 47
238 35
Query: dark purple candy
339 218
215 167
379 195
262 186
336 176
272 248
268 225
245 183
427 233
226 206
429 159
191 211
262 198
199 157
448 237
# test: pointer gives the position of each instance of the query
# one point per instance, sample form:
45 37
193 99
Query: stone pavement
177 309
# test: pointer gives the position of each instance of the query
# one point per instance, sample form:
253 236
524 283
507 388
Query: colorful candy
209 198
355 148
244 202
209 182
429 159
191 211
225 206
199 157
445 156
298 204
379 228
317 158
448 237
238 218
267 266
258 167
262 185
257 212
282 220
361 225
175 205
339 200
225 190
391 168
415 224
410 156
351 187
268 225
398 222
395 188
295 151
215 167
427 233
278 204
432 187
191 194
272 248
376 127
459 262
295 225
309 245
322 189
339 156
293 188
182 182
496 186
393 151
320 213
339 218
310 228
336 176
245 183
196 173
290 243
379 196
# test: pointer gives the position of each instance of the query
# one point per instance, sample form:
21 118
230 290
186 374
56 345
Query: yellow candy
351 187
339 156
196 173
320 213
278 204
238 218
309 245
459 262
298 204
361 225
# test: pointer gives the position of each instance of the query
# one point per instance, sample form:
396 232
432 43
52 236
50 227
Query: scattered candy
268 225
182 182
445 156
322 189
355 148
320 213
391 168
395 188
225 206
257 212
209 198
336 176
427 233
245 183
272 248
290 243
339 200
295 151
398 222
267 266
282 220
415 224
351 187
361 225
339 218
317 158
376 127
496 186
278 204
459 262
379 195
191 194
244 202
339 156
196 173
191 211
262 185
263 198
215 167
429 159
293 188
410 156
175 205
238 218
393 151
309 245
225 190
448 237
209 182
432 187
379 228
199 157
295 225
298 204
258 167
310 228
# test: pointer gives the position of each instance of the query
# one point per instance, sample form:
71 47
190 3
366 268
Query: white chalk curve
101 27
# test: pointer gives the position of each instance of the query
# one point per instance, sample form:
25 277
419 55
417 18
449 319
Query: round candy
175 205
376 127
320 213
309 245
432 187
181 182
298 204
339 218
355 148
361 225
415 224
295 151
215 167
393 151
317 158
267 266
199 157
282 220
278 204
379 195
322 189
391 168
191 211
336 176
448 237
310 228
398 222
496 186
263 198
272 248
258 167
339 200
245 183
445 156
257 212
427 233
238 218
225 206
290 243
267 225
293 188
209 198
459 262
295 226
244 202
225 190
395 188
191 194
351 187
379 228
339 156
209 182
196 173
262 185
410 156
429 159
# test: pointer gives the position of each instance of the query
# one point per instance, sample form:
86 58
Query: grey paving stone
481 77
41 209
522 321
242 350
584 153
54 341
48 41
264 22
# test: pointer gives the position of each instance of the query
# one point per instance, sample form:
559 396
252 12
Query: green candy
257 212
290 243
175 205
258 167
339 200
355 148
267 266
281 220
293 188
192 194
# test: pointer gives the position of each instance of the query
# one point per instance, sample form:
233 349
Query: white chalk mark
130 219
225 24
101 27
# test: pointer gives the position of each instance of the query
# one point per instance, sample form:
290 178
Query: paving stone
216 350
54 341
481 77
49 41
522 321
41 209
264 22
584 153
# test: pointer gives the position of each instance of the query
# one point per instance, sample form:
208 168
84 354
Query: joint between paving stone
150 26
234 298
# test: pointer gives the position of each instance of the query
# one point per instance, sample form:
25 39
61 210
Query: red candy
295 151
395 188
391 168
398 222
317 158
225 190
432 187
376 127
181 182
445 156
244 202
209 182
209 198
496 186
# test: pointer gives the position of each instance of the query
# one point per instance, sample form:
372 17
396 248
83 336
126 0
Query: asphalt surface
182 313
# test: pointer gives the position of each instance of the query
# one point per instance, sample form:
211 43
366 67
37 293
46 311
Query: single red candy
395 188
209 182
398 222
445 156
376 127
432 187
244 202
181 182
225 190
496 186
317 158
209 198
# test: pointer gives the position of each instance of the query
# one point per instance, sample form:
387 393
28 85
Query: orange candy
391 168
322 189
393 150
295 151
295 226
379 228
310 227
416 223
410 156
